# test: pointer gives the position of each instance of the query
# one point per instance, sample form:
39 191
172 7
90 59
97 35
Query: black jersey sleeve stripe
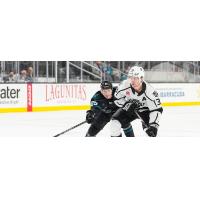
121 98
150 99
122 90
159 110
119 104
153 123
144 109
156 118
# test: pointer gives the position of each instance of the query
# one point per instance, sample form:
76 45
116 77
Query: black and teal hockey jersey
100 103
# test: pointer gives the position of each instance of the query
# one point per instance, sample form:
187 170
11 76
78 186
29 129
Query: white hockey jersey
148 98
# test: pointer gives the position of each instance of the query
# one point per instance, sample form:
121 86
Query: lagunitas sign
47 95
65 92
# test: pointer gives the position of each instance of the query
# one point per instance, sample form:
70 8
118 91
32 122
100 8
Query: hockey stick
146 126
73 127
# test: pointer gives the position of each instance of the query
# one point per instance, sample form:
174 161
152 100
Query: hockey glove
152 131
89 116
131 105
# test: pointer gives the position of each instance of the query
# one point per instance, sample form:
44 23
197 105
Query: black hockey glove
152 131
89 116
131 105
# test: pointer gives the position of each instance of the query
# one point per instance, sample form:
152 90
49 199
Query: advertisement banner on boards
13 95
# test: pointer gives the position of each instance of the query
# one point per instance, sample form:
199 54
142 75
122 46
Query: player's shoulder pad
97 96
150 91
123 85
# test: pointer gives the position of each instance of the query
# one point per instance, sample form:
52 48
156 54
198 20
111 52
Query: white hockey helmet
136 71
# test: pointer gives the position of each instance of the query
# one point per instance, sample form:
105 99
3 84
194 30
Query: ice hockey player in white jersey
136 97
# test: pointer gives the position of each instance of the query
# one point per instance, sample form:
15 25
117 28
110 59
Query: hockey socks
129 131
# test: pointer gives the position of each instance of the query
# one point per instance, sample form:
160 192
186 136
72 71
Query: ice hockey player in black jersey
136 97
102 109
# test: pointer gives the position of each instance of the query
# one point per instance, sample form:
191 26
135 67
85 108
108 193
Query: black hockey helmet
106 85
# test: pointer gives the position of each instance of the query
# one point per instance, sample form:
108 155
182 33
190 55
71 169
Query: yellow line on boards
57 108
181 104
6 110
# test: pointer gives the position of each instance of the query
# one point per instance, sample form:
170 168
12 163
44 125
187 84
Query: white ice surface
176 121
